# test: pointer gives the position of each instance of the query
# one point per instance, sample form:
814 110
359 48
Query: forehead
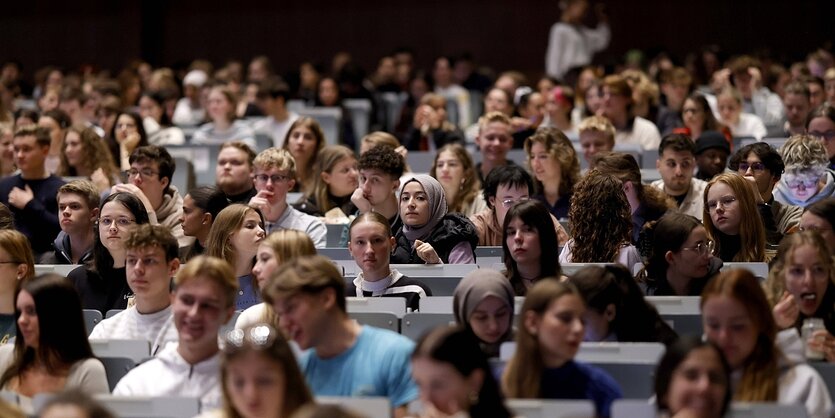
270 171
497 127
202 287
752 158
670 154
720 189
592 135
302 129
413 187
373 172
232 152
25 140
506 189
145 163
448 155
70 197
113 208
368 228
146 251
123 118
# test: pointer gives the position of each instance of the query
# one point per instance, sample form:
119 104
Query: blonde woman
277 248
455 170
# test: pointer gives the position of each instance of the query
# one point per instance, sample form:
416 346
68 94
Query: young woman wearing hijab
483 303
431 235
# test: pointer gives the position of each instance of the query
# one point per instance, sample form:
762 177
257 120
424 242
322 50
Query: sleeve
129 385
181 113
598 38
806 387
35 213
758 128
553 57
98 332
91 377
200 135
318 233
461 253
402 389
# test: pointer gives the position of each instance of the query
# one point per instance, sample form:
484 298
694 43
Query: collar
376 288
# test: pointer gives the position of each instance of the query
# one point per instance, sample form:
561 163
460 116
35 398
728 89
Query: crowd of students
87 174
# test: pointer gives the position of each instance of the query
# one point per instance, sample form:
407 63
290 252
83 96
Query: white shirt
158 328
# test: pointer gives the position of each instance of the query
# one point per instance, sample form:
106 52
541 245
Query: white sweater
158 328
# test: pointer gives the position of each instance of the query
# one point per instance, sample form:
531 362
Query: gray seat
183 177
116 368
360 115
151 407
329 118
385 320
416 324
91 318
551 408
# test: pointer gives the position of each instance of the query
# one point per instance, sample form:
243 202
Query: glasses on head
755 166
724 201
508 203
825 136
258 336
702 248
275 178
145 173
120 222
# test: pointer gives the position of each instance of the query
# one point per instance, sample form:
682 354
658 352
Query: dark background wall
499 33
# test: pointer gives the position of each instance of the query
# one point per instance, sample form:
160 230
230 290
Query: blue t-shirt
378 364
581 381
247 295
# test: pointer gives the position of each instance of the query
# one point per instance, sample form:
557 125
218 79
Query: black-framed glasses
702 248
259 336
275 178
755 166
145 173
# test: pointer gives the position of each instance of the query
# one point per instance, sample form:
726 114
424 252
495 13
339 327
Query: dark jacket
62 253
453 229
101 292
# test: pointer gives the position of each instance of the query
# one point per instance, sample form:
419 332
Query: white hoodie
168 374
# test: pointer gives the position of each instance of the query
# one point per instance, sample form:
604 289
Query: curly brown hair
96 154
471 187
600 219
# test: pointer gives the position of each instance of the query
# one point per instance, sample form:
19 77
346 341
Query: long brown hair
271 345
760 371
560 148
751 229
600 219
471 187
326 160
522 378
228 221
94 149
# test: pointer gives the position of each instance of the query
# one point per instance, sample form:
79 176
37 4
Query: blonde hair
523 376
751 229
306 275
213 269
598 124
381 138
326 160
277 158
228 221
492 117
776 283
803 151
286 244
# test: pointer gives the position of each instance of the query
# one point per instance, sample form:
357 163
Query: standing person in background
572 45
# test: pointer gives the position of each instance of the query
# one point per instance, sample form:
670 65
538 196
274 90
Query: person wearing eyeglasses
680 260
821 124
151 261
504 187
103 284
553 162
31 194
762 163
275 176
16 265
149 179
340 357
807 178
731 204
203 300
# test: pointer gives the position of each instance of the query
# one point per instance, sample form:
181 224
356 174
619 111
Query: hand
426 253
402 151
131 141
100 180
786 311
19 198
519 124
823 341
720 80
262 202
136 191
421 116
360 201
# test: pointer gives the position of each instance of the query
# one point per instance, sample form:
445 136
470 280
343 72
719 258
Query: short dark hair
41 134
273 88
799 88
148 235
209 199
769 156
510 175
61 117
385 159
678 143
158 154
